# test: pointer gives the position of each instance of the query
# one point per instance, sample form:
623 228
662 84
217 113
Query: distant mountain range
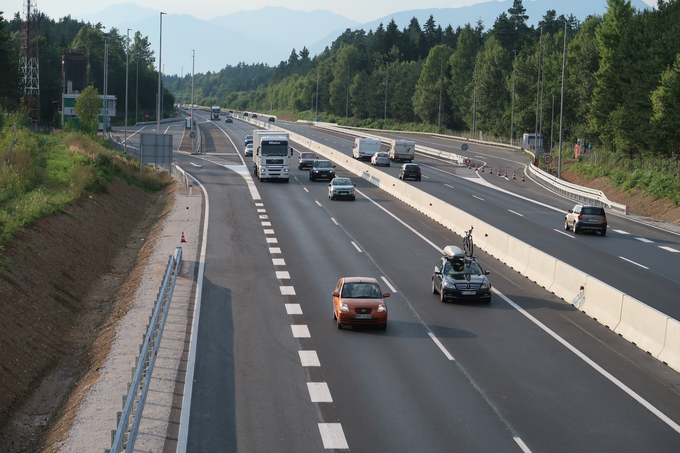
268 35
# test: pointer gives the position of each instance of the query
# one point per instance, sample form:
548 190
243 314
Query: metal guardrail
133 404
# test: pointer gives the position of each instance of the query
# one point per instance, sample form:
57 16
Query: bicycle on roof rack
468 244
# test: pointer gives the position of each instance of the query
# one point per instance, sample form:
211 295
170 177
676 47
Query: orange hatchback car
359 301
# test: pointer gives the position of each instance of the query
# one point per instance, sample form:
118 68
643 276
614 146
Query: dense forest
67 35
621 84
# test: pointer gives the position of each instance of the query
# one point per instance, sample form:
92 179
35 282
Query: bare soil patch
65 282
639 202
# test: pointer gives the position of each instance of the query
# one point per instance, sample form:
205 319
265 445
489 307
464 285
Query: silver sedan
380 158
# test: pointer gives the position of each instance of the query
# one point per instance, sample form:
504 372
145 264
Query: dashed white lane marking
268 231
669 249
309 358
266 223
645 240
317 202
278 262
521 215
282 275
562 232
332 436
334 221
522 445
300 331
449 186
440 346
478 197
273 250
633 262
259 204
319 392
306 189
389 284
621 232
287 290
262 210
264 217
293 309
356 247
272 241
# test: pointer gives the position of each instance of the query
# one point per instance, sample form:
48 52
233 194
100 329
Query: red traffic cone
499 172
513 175
183 240
475 167
522 177
506 173
482 170
491 169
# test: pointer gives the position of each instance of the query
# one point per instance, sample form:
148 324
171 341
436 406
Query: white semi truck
403 150
215 112
271 155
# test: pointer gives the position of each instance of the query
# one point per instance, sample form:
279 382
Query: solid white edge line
441 346
317 202
389 284
594 365
334 221
521 444
183 436
633 262
356 247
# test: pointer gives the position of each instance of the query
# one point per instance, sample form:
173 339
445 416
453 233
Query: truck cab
271 155
215 112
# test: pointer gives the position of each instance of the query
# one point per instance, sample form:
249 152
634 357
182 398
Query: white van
365 148
403 150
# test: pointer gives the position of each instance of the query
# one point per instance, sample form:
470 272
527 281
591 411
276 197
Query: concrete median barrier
568 281
541 269
642 325
671 351
497 244
602 302
517 255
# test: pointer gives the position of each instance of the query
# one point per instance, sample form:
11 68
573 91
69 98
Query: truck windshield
280 149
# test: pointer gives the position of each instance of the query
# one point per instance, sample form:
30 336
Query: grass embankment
45 172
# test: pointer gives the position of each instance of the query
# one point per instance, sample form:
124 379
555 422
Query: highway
526 372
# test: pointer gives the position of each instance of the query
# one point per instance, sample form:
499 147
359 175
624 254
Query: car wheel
354 197
441 296
434 288
573 227
566 225
334 317
603 232
418 179
339 325
287 180
384 326
388 165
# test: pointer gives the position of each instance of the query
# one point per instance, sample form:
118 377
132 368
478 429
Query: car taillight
604 218
580 217
418 171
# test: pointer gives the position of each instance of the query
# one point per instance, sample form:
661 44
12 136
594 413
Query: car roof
359 280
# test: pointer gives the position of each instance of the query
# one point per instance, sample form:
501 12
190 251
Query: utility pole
317 92
441 74
512 116
387 79
160 56
552 123
347 103
564 62
540 121
137 92
474 105
181 92
127 83
193 67
105 113
538 87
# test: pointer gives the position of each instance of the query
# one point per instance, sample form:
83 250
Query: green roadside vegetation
41 174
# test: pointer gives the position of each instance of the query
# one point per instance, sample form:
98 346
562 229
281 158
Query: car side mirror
329 184
336 294
355 185
333 166
571 210
291 152
487 272
437 272
386 295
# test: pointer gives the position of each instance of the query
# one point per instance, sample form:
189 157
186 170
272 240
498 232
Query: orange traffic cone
183 240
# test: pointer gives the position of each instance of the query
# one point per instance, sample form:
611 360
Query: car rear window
307 155
361 291
412 167
592 211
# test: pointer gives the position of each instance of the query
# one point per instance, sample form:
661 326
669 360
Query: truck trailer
365 148
271 155
403 150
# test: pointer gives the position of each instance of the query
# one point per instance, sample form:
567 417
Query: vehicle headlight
316 171
286 170
261 170
382 307
485 285
447 285
332 171
344 307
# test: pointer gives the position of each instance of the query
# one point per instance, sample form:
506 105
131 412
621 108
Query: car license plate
592 220
469 293
363 316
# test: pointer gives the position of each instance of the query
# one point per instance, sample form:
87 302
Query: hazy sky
360 10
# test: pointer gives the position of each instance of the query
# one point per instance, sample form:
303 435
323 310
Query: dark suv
306 160
322 169
586 218
460 277
410 171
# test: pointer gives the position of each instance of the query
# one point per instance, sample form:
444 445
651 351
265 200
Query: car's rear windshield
361 291
249 137
383 155
342 182
412 167
307 155
592 211
323 164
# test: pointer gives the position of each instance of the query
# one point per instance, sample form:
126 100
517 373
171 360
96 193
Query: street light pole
162 90
160 56
387 80
512 116
106 85
137 91
347 103
127 83
181 93
564 62
474 104
317 92
193 67
441 73
538 87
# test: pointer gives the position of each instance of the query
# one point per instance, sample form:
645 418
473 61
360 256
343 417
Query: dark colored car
586 218
271 119
459 277
228 120
249 139
359 300
254 115
306 160
231 111
322 169
410 171
245 113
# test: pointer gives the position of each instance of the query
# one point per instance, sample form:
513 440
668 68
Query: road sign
146 116
192 134
464 147
548 159
468 161
540 151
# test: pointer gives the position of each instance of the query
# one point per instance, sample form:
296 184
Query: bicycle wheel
471 247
